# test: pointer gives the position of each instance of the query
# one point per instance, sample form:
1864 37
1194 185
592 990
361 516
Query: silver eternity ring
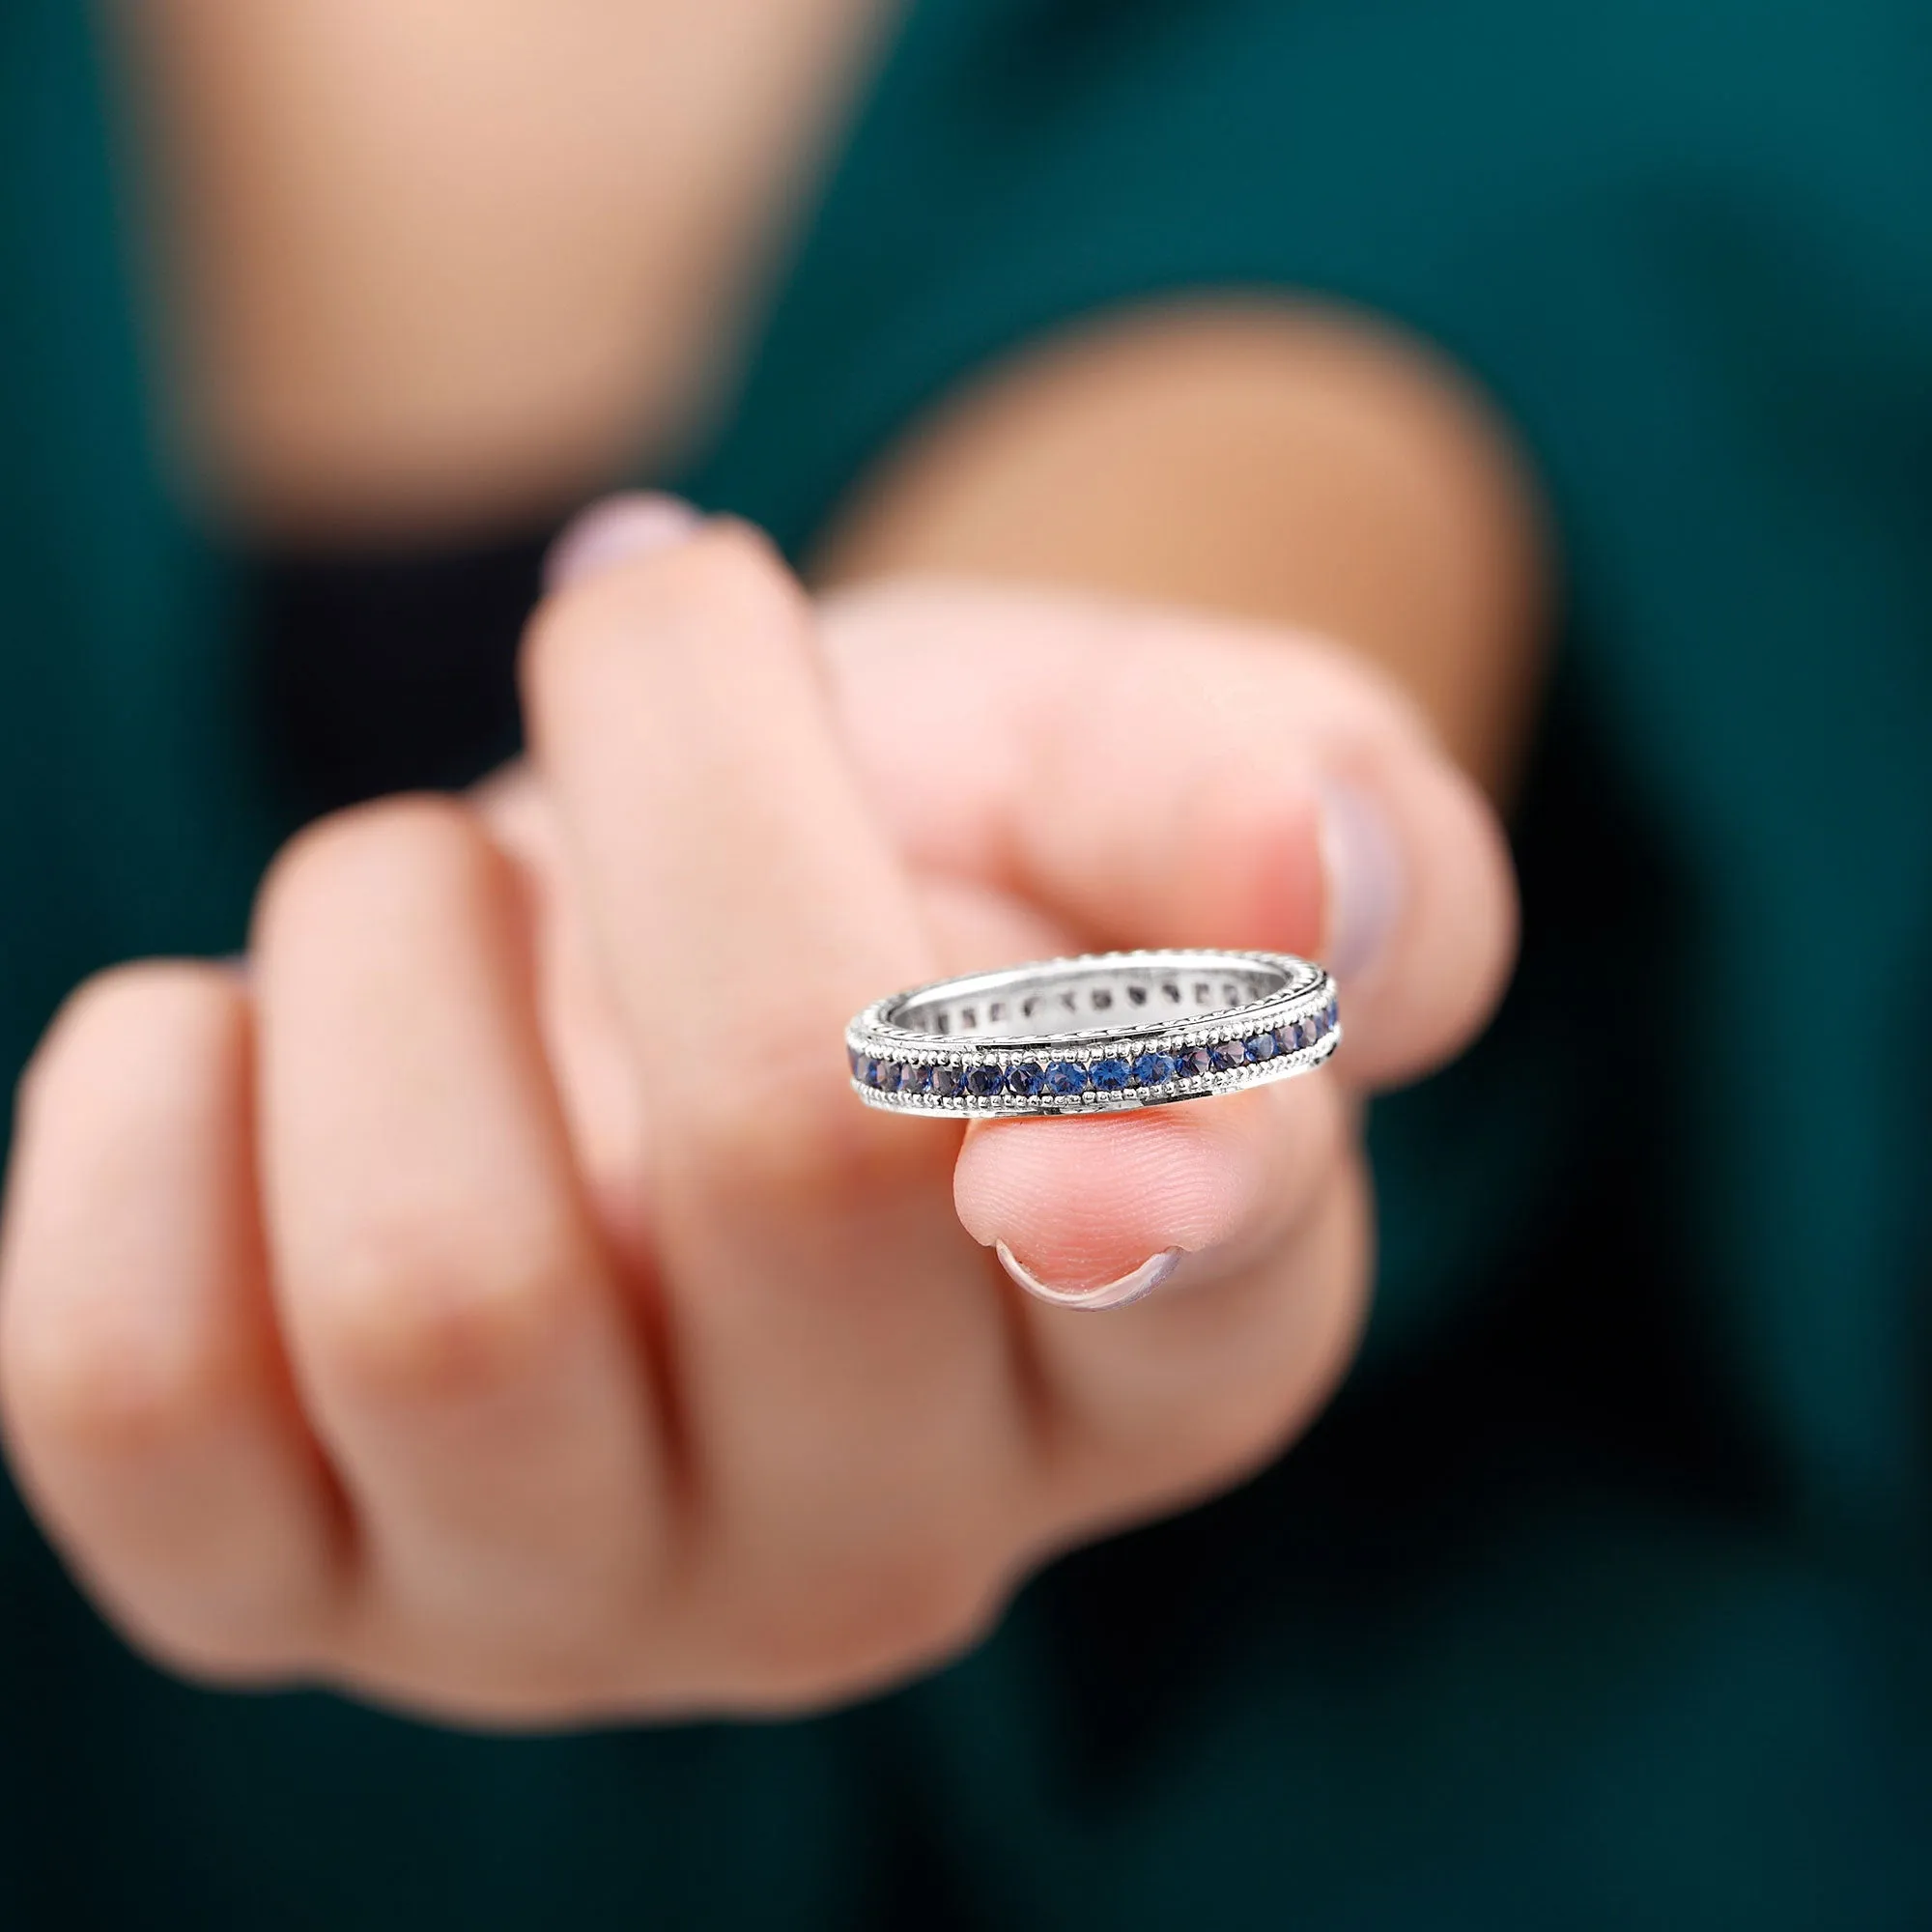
1093 1034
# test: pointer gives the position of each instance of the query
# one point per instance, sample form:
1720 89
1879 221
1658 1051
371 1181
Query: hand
496 1303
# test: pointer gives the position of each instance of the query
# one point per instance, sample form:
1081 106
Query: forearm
1294 464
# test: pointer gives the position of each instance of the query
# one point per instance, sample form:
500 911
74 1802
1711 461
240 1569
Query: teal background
1602 1598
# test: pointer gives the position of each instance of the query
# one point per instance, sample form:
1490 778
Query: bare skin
418 1315
435 263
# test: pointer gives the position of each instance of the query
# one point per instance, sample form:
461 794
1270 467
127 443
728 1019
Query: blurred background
1601 1597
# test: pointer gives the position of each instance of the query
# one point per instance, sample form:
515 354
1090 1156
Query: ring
1093 1034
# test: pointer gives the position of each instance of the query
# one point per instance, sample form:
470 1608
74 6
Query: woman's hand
495 1303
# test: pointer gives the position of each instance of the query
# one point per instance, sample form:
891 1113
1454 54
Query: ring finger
464 1350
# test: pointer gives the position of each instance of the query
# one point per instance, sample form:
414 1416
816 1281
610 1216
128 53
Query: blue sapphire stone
1260 1047
913 1078
983 1080
1311 1031
1110 1076
888 1075
1286 1038
1152 1068
1192 1061
1227 1055
944 1082
869 1072
1067 1076
1025 1079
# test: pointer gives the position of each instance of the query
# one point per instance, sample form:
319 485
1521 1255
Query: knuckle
358 852
424 1313
112 1010
78 1381
92 1360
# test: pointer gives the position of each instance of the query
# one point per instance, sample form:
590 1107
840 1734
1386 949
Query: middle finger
844 1370
461 1346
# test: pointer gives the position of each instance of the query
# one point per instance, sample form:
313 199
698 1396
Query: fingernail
1143 1280
617 530
1362 863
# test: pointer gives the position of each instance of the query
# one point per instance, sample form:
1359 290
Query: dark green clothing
1602 1598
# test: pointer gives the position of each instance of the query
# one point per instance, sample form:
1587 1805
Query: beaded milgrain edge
1141 1063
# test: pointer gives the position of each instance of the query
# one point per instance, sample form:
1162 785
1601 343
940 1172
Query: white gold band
1141 1029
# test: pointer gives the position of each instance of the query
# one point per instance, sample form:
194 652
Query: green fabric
1603 1596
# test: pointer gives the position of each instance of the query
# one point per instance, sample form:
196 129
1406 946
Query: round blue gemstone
1285 1038
944 1082
869 1072
983 1080
1310 1031
1227 1054
888 1075
913 1078
1067 1076
1111 1075
1025 1079
1192 1061
1152 1068
1260 1047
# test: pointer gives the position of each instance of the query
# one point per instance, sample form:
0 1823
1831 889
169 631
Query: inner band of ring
1098 993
